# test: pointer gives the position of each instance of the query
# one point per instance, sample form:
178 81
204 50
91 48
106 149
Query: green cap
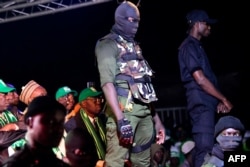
4 88
88 92
63 91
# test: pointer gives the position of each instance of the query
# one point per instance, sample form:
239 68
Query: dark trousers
203 144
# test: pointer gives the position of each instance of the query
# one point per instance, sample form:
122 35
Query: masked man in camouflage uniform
125 78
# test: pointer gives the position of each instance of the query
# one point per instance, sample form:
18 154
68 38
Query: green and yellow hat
4 88
63 91
88 92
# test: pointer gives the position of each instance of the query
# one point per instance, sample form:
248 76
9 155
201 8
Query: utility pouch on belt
141 89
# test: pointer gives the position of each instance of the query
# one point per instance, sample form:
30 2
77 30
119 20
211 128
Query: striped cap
27 91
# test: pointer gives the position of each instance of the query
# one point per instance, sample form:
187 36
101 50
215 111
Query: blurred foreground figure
30 91
44 119
80 148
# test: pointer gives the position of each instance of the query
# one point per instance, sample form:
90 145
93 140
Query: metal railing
177 114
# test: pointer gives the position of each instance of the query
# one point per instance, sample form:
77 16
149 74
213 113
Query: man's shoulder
108 39
187 42
106 47
105 41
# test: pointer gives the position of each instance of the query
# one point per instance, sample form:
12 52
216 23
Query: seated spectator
89 118
13 98
159 155
180 135
187 149
229 132
31 90
66 96
174 156
246 141
44 120
11 129
8 121
80 149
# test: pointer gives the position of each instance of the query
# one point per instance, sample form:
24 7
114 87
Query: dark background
58 49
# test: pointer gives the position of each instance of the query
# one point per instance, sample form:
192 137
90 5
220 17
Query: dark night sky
58 49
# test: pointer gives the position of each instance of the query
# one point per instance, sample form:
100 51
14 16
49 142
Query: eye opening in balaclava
123 26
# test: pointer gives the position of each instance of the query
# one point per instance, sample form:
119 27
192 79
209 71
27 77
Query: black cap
199 16
228 122
43 104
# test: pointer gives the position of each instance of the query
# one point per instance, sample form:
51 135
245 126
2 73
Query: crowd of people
42 129
118 126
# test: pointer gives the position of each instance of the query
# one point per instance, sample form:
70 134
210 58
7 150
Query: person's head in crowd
66 96
174 156
13 98
180 133
4 90
31 90
80 148
198 20
246 141
44 120
90 100
158 155
13 95
229 132
187 149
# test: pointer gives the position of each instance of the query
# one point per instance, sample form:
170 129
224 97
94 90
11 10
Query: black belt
141 148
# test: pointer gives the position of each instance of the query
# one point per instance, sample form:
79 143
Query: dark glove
125 129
